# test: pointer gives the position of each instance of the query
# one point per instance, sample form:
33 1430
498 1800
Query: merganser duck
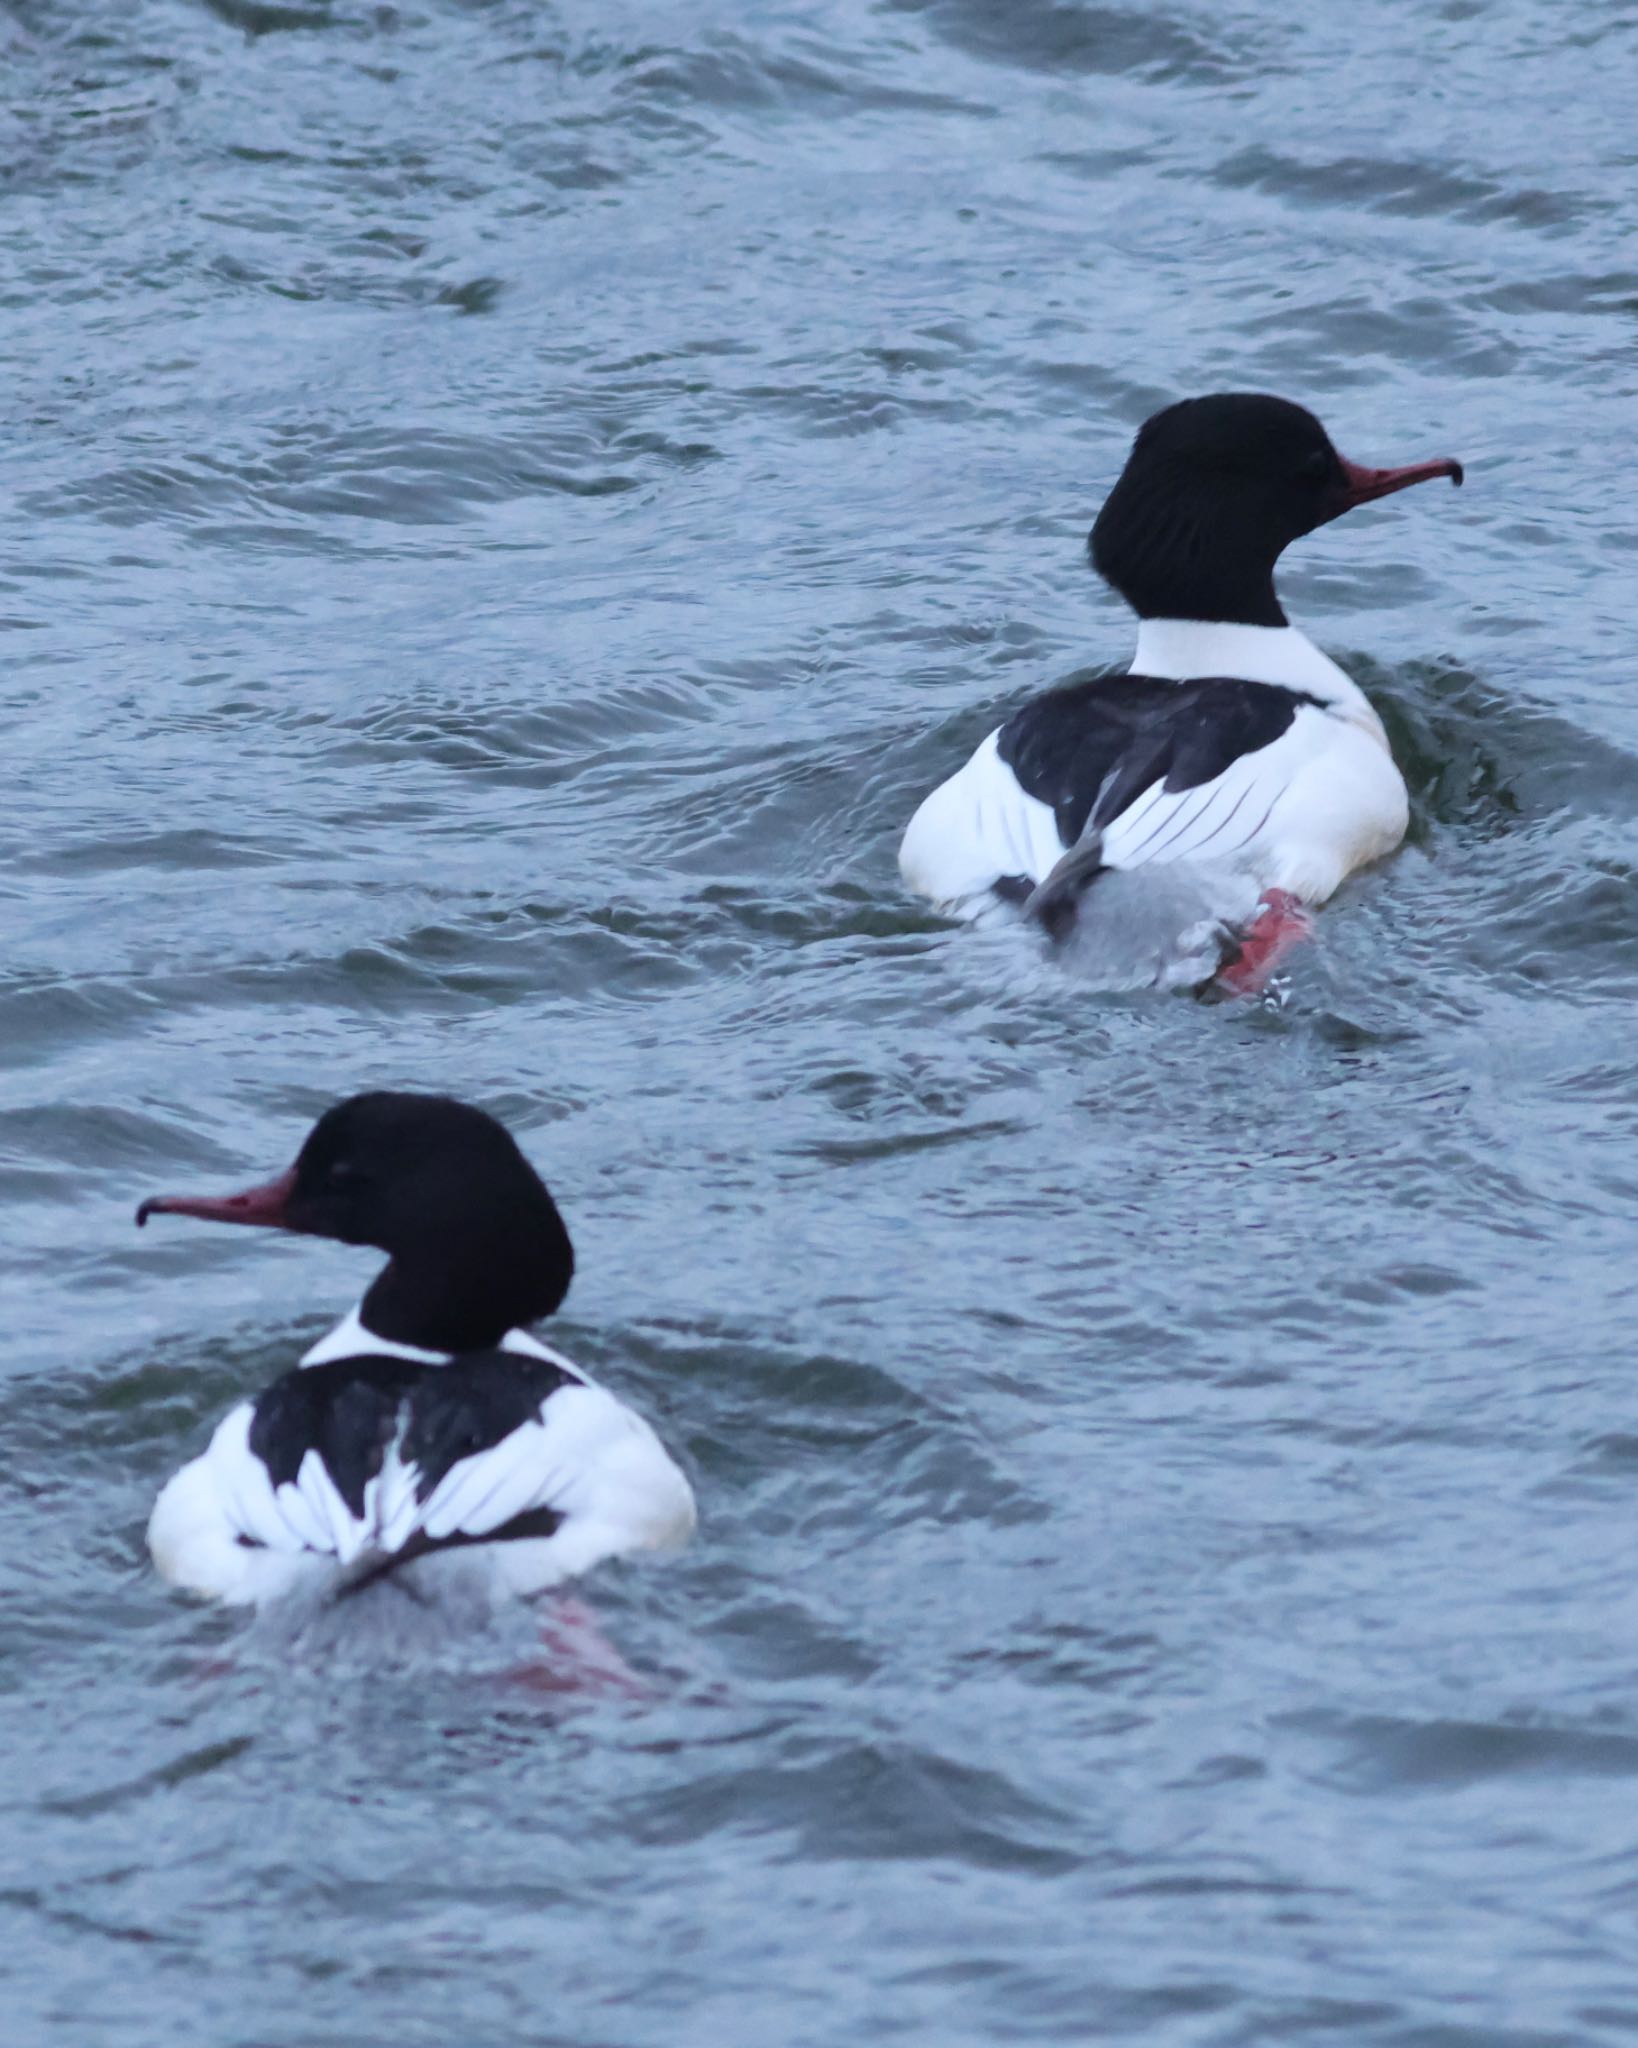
1160 819
429 1425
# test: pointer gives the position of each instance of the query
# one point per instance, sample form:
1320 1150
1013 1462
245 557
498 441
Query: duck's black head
474 1242
1214 490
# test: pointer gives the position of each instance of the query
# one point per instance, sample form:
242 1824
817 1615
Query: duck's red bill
266 1204
1364 484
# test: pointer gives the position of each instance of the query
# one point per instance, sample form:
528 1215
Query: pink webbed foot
576 1657
1280 923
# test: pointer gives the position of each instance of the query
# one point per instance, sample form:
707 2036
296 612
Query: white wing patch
1216 821
221 1526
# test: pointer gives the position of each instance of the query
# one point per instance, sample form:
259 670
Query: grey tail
1163 926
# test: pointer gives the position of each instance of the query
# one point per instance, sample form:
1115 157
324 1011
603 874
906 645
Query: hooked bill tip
264 1205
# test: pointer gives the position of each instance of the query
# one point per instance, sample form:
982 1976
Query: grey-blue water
506 509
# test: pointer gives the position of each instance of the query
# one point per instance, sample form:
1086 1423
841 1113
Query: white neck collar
353 1338
1178 649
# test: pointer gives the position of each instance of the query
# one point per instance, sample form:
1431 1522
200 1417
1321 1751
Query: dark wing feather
346 1411
462 1411
1092 748
349 1410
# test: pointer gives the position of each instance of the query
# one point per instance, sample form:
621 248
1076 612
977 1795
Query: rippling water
508 507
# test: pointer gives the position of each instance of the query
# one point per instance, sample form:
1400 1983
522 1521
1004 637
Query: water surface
508 508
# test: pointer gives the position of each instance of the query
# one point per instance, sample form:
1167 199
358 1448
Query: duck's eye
342 1173
1315 467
